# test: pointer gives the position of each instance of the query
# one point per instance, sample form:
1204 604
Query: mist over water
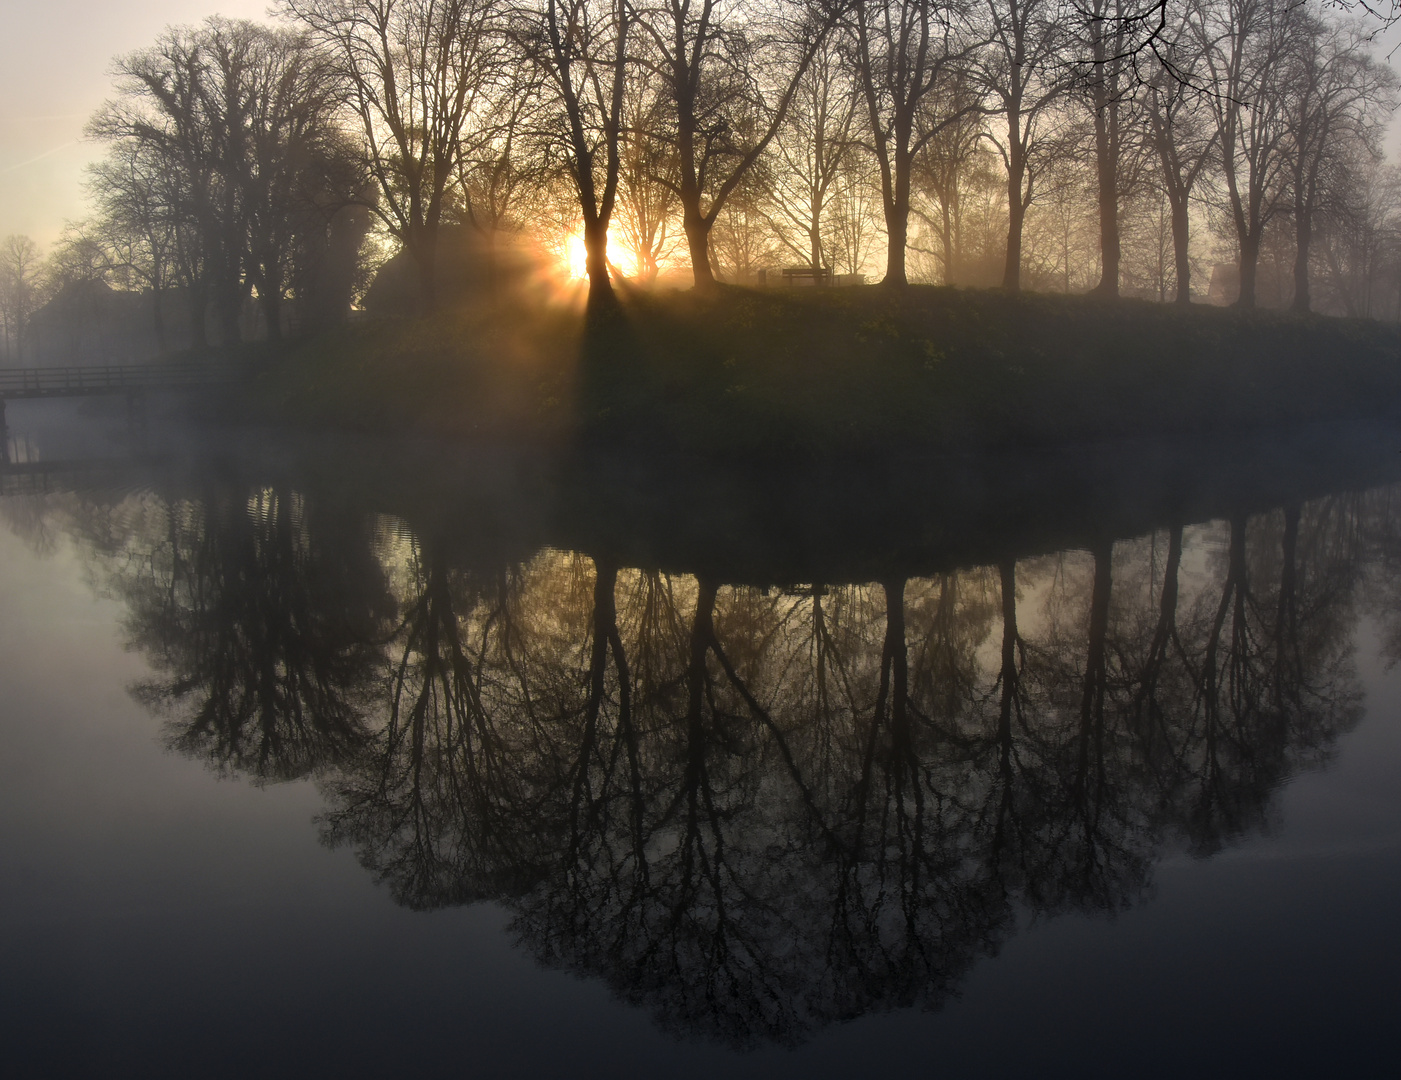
600 768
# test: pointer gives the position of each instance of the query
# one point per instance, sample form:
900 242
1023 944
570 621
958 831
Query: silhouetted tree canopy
1052 144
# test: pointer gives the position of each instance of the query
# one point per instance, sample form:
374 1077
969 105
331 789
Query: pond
355 757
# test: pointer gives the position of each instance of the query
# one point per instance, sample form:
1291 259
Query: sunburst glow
576 257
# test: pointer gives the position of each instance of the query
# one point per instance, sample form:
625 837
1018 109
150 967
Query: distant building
1273 285
1225 284
466 266
89 322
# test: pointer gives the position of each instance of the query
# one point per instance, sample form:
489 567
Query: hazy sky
55 59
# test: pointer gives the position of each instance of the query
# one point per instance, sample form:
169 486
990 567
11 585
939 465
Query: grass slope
837 372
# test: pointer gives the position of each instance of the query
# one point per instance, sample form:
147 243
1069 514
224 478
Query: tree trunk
1107 172
1096 656
897 655
1287 611
1303 238
228 294
158 318
424 249
1007 573
596 262
897 226
270 300
897 217
1016 211
199 313
1181 250
945 220
693 222
230 307
1249 261
698 244
702 636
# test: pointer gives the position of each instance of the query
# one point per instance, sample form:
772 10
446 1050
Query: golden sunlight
576 258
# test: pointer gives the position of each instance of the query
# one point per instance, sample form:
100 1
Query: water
375 759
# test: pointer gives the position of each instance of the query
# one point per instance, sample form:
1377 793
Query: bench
800 275
806 275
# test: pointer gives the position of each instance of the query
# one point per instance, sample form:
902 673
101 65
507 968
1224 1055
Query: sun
576 257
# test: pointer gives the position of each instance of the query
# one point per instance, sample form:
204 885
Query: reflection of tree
911 911
1382 591
1274 687
659 886
758 811
1093 832
261 623
31 518
430 800
780 809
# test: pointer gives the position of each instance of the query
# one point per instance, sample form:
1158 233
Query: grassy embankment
839 372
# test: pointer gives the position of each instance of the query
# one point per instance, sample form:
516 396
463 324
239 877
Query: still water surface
359 761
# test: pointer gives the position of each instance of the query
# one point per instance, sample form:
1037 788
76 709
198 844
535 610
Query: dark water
373 759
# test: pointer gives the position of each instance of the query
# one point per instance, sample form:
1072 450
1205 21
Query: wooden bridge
132 380
52 382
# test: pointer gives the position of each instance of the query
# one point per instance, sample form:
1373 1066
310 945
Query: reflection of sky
159 921
64 429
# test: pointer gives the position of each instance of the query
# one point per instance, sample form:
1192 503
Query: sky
55 70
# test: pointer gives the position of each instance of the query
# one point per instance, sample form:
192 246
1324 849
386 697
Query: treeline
1050 144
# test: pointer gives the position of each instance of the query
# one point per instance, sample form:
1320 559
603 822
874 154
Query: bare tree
159 116
1149 264
743 240
943 171
1020 71
581 47
224 152
732 74
1061 234
135 226
498 172
1181 136
648 201
808 154
413 74
19 286
1244 52
1111 37
854 217
297 164
1339 97
1360 241
908 56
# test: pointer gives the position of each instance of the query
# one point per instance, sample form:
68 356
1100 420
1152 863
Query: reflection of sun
576 257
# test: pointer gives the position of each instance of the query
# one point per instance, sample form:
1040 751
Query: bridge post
4 436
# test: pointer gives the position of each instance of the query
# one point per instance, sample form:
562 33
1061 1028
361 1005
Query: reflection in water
264 643
754 810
